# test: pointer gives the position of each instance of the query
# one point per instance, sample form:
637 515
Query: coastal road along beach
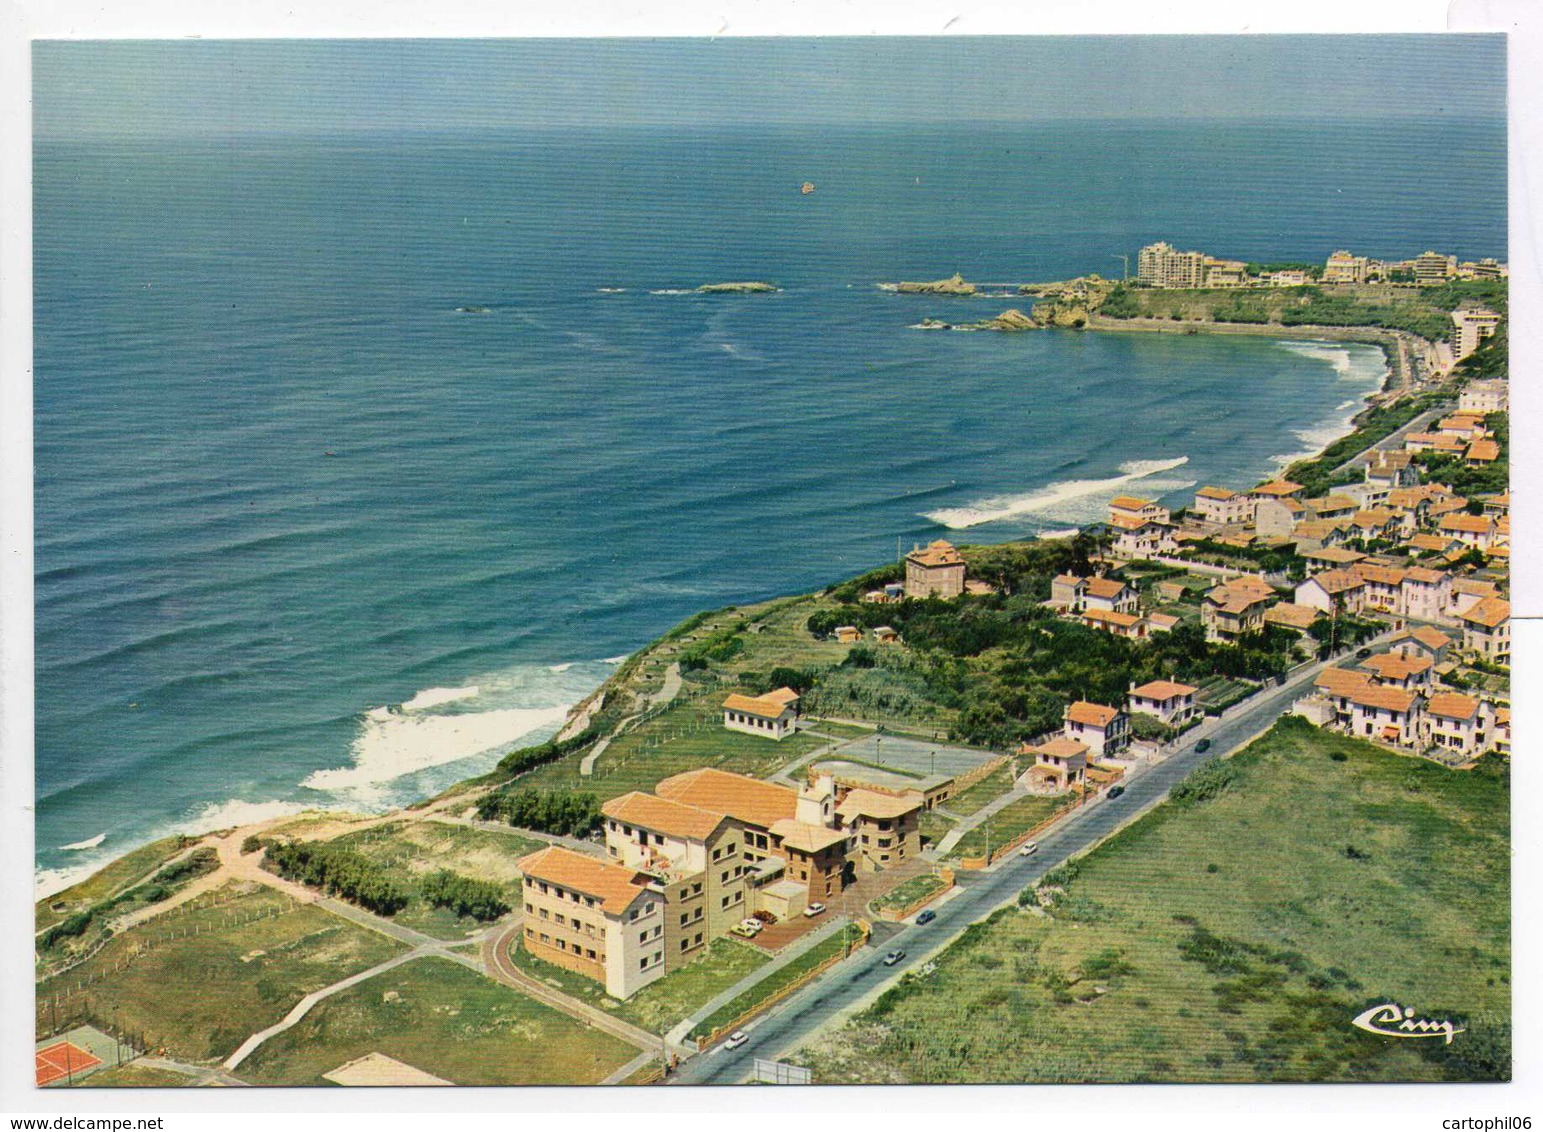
847 985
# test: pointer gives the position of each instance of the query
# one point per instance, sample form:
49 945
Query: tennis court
63 1061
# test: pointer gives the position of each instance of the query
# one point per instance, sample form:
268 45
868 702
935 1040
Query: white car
751 925
814 909
736 1039
1029 849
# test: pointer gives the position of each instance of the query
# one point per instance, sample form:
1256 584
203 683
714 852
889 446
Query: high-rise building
1433 267
1162 265
1470 326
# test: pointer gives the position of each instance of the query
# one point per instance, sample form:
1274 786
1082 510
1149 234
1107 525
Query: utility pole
1125 259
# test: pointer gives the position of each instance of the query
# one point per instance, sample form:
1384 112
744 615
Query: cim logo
1394 1021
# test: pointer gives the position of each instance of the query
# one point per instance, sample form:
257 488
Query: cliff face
1070 316
954 285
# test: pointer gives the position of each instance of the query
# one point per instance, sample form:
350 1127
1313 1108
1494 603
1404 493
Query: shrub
1205 782
464 896
568 812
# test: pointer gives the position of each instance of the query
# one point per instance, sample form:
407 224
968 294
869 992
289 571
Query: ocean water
282 483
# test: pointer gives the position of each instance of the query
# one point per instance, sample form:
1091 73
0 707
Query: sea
360 458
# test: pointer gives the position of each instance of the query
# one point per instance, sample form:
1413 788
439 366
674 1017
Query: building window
698 938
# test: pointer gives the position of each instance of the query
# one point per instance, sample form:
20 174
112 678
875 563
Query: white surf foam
615 659
199 820
1068 500
674 291
388 749
88 843
1069 532
433 697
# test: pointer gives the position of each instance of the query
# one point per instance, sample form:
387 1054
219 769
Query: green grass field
1233 940
910 891
132 1075
109 880
662 1004
198 981
446 1020
988 789
411 849
1008 822
753 996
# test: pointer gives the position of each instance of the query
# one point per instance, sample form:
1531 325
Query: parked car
751 925
1115 792
739 930
765 917
814 909
925 916
1363 653
736 1039
1203 746
894 957
1029 849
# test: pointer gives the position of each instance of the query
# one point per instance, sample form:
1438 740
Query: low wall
1012 846
894 915
782 993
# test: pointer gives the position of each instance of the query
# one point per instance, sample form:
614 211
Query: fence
1027 835
75 995
783 992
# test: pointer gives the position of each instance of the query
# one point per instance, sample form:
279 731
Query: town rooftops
663 816
1061 747
871 804
613 886
1091 715
1067 580
1467 524
769 706
1341 681
1425 576
1382 697
1292 616
804 837
1105 587
1131 522
938 553
1340 554
1432 639
1316 528
1338 581
1129 503
1391 666
1209 492
1424 541
746 799
1277 489
1475 586
1163 690
1382 575
1489 612
1483 451
1111 617
1451 705
1162 620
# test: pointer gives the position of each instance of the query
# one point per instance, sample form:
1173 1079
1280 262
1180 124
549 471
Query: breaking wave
1068 501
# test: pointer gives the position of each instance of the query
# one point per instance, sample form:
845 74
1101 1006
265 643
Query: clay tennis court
62 1060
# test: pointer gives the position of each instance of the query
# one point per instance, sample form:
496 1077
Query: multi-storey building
1104 730
1433 267
602 920
1342 267
1163 265
1470 326
936 570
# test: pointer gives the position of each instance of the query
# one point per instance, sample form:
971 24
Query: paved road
1394 441
847 984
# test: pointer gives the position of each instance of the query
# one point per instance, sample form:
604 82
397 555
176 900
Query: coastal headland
339 938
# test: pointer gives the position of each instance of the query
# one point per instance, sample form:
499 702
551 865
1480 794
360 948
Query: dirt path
495 957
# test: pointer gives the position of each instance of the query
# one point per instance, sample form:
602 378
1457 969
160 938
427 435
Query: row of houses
686 863
1392 699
